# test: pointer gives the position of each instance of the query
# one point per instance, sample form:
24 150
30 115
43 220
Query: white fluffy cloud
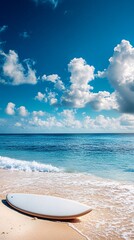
10 109
80 93
38 113
81 74
54 78
47 97
48 123
103 100
15 72
124 123
59 85
120 73
101 123
22 111
41 97
52 98
69 119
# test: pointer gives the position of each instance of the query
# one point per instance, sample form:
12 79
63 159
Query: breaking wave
15 164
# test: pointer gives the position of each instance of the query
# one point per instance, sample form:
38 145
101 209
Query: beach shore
110 201
14 226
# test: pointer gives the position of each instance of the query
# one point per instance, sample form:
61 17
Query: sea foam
15 164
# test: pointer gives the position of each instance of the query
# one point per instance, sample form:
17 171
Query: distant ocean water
104 155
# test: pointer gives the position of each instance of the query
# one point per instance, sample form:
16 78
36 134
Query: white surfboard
47 206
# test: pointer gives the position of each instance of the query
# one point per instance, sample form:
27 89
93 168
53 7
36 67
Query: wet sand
112 203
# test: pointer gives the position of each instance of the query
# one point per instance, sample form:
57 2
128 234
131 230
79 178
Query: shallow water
104 155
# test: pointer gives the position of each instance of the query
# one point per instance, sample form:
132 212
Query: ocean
95 169
105 155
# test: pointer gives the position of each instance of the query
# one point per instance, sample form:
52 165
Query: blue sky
66 66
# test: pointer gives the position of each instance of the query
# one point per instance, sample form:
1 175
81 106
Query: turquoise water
104 155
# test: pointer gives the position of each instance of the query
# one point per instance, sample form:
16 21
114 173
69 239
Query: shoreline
15 225
109 200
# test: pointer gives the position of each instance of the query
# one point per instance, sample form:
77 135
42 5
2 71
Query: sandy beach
14 225
108 220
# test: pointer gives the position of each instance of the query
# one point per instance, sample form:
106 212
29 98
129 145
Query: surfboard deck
45 206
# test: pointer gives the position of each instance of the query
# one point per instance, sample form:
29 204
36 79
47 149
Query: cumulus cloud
69 119
38 113
54 78
41 97
22 111
48 123
59 85
10 109
47 97
80 92
52 98
67 113
3 28
15 72
123 123
120 73
100 123
103 100
81 74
